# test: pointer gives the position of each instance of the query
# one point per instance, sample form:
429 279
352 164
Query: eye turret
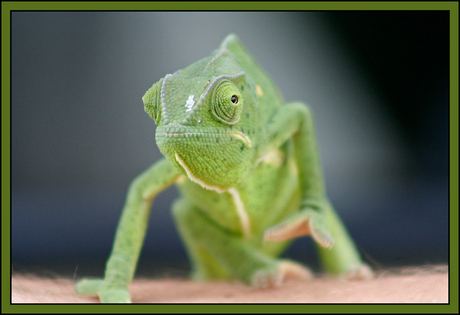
227 103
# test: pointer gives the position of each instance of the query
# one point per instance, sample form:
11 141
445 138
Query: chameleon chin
248 169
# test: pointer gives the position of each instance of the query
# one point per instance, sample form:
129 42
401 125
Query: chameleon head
206 121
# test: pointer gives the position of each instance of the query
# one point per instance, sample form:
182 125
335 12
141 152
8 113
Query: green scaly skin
248 168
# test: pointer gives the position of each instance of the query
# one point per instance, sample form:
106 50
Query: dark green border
229 5
451 6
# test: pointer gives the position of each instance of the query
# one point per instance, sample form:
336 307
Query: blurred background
377 82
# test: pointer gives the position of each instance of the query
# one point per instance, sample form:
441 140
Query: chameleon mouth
204 154
180 134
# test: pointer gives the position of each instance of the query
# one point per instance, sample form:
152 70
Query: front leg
316 216
130 235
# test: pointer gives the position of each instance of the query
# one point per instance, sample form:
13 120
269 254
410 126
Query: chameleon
248 170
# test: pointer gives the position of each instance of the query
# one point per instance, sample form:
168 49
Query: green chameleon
248 169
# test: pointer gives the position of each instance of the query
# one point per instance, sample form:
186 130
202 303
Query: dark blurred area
407 58
377 81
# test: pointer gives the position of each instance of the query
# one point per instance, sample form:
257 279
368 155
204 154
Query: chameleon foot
94 288
273 277
115 296
358 272
89 287
291 269
303 223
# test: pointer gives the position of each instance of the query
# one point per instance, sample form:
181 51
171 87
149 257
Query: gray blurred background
376 81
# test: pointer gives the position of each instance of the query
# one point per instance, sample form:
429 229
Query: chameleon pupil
234 99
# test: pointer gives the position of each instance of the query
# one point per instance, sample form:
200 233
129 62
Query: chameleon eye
226 103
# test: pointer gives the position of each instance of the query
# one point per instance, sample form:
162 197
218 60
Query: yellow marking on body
242 214
241 136
293 166
180 179
259 90
196 179
275 157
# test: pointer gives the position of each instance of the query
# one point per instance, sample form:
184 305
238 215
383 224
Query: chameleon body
248 169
